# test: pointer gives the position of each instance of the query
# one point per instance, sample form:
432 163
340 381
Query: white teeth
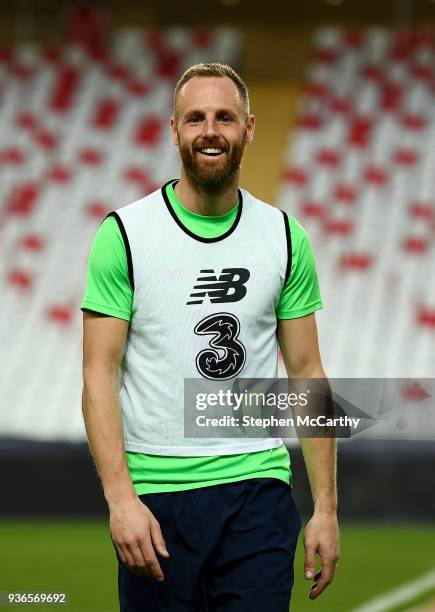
211 151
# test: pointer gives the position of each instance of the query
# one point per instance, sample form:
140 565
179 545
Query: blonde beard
220 178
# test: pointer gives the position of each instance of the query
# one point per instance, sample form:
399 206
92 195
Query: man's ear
174 131
250 129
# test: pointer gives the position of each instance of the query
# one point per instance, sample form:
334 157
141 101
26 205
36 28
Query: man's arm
300 350
135 531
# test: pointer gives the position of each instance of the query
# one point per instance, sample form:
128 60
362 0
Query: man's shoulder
261 205
298 233
264 209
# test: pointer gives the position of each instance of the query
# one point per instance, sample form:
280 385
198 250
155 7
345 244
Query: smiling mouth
211 151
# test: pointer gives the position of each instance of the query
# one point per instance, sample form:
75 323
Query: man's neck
203 203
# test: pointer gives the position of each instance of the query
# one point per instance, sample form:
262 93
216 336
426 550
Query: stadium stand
84 131
358 174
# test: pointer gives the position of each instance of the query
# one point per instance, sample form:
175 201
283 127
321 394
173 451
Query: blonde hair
214 69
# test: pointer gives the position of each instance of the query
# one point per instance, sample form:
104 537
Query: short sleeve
300 295
108 288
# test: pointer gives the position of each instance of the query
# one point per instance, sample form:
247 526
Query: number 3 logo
226 355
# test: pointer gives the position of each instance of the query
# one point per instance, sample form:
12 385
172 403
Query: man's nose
210 127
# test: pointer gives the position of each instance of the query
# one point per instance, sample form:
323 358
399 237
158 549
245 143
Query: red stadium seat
341 104
356 261
23 199
422 71
59 314
106 114
148 131
12 155
59 174
426 316
203 38
117 71
345 193
415 244
138 88
313 209
354 37
97 210
372 72
391 97
20 70
328 157
155 40
296 176
315 89
405 157
360 131
45 138
52 54
87 25
91 157
310 122
169 64
422 210
375 175
27 120
412 121
62 96
32 242
340 227
20 279
7 54
324 55
136 174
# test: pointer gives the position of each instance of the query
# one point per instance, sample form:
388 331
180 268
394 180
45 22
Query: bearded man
201 280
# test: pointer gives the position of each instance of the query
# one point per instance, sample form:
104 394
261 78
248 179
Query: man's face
211 131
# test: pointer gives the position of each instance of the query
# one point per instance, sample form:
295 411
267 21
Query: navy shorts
231 549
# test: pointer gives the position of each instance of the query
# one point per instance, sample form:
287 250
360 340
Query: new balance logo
229 287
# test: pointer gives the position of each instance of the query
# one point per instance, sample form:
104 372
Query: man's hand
321 536
137 536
